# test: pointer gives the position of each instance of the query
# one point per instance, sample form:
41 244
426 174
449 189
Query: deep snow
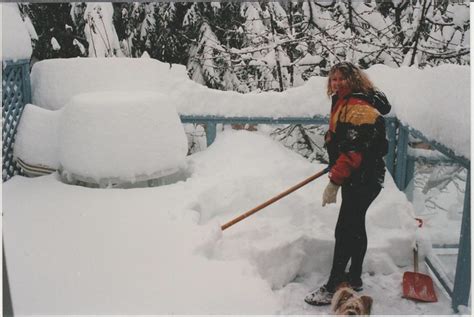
121 135
75 250
79 250
436 101
284 261
36 139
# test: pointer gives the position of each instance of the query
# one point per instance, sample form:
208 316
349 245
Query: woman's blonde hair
356 78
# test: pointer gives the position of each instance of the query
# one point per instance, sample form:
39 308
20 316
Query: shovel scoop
418 286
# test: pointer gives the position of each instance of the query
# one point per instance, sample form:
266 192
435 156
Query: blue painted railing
17 92
402 167
210 122
404 172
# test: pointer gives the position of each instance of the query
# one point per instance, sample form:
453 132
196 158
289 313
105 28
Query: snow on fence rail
435 100
17 92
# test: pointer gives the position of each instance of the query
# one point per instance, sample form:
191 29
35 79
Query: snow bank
435 101
129 136
81 75
16 42
36 140
304 101
118 252
160 250
54 82
294 236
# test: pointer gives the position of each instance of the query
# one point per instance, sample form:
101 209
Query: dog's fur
346 302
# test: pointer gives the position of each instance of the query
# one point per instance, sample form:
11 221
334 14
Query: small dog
346 302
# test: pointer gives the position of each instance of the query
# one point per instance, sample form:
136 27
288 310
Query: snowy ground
76 250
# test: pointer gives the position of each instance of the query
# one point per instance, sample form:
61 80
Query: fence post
401 157
410 173
462 280
210 128
392 138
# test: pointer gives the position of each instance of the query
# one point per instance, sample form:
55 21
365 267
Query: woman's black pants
351 236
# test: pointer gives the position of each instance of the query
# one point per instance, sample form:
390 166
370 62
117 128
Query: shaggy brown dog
346 302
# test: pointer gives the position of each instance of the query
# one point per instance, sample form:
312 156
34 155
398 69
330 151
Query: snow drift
423 99
144 251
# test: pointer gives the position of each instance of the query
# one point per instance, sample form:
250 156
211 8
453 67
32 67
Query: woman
356 145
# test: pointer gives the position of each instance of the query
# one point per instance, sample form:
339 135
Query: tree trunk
418 31
351 20
277 53
291 69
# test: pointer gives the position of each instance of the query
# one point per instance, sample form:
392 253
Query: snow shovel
274 199
416 285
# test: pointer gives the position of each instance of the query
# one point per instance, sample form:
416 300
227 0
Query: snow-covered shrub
16 43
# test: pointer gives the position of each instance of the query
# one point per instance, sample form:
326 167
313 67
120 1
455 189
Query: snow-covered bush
16 43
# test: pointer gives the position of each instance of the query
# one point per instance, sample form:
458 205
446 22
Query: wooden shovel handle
274 199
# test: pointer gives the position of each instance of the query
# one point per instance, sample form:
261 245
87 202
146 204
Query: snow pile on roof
424 99
16 42
36 140
129 136
160 250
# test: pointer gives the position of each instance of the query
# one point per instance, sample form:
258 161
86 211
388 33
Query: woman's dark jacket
356 141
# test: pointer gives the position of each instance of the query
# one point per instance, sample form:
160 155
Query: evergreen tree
58 35
132 21
169 40
211 61
266 45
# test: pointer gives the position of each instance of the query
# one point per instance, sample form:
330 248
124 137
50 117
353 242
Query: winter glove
330 193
